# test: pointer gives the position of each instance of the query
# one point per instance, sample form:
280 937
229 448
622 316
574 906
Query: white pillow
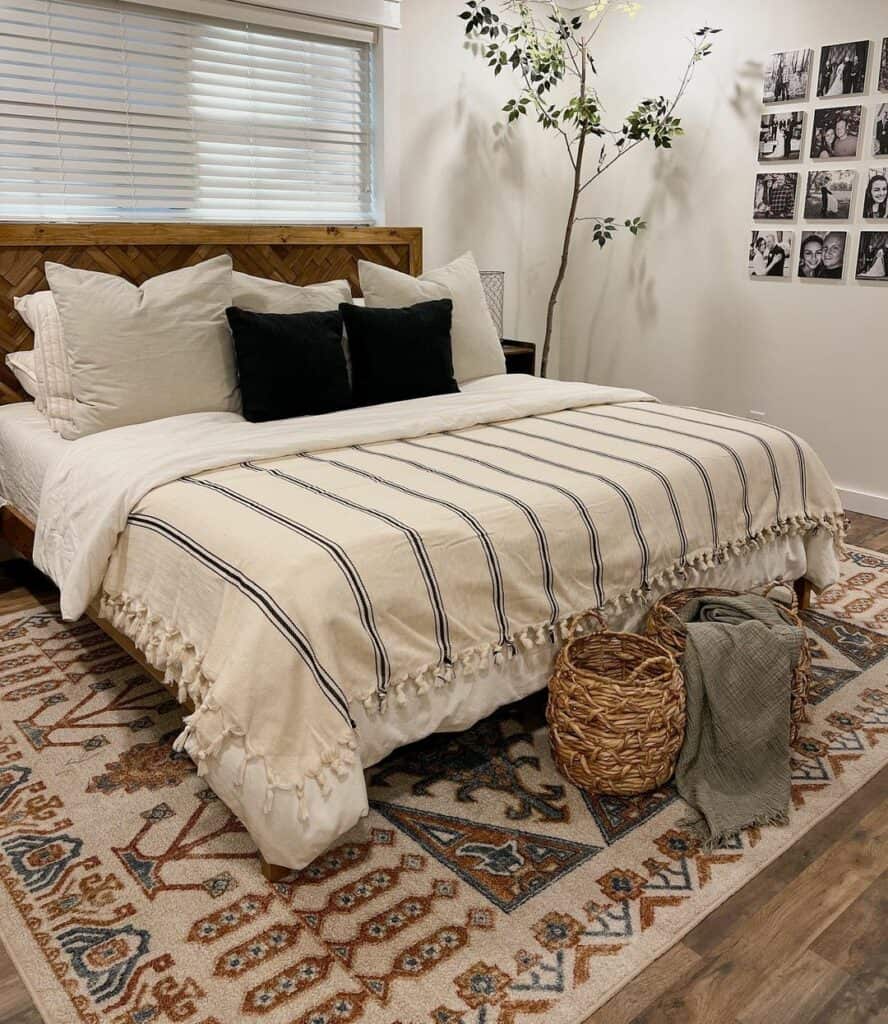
262 295
25 372
138 354
477 351
39 312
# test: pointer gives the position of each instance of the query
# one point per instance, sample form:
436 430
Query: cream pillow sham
23 368
144 353
476 349
39 312
262 295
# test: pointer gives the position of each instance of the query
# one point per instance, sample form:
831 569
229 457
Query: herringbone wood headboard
298 255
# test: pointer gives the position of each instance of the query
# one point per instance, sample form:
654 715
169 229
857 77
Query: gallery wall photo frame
771 254
879 134
829 194
788 76
872 257
775 197
836 132
823 255
883 67
842 69
875 194
782 136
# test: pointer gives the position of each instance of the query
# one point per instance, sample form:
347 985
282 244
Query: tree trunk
565 255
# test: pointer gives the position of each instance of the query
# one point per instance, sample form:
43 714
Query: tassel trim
172 653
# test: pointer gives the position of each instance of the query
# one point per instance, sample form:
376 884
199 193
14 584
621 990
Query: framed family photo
829 194
770 254
787 75
883 68
842 70
872 261
780 136
775 196
880 131
875 198
822 255
836 133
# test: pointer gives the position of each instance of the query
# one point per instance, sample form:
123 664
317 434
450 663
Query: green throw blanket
733 768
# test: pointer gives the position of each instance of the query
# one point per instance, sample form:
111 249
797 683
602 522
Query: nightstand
520 356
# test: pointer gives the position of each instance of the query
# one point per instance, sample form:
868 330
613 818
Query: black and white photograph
775 196
842 70
875 198
880 131
835 134
822 254
872 261
770 254
883 68
787 75
780 136
829 194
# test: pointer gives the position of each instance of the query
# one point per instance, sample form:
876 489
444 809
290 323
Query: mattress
28 447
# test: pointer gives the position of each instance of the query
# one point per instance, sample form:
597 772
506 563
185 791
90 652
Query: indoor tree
550 50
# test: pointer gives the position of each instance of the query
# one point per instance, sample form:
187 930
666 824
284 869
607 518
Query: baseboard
865 503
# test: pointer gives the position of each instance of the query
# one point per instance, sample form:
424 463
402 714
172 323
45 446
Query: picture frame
781 136
771 254
787 76
835 133
829 194
843 69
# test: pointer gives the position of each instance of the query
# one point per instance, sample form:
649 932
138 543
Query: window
112 111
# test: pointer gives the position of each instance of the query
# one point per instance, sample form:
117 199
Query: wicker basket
664 626
616 711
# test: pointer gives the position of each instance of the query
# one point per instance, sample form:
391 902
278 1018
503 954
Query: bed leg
273 872
803 592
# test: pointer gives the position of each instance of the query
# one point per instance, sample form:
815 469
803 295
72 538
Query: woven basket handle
663 663
793 597
591 613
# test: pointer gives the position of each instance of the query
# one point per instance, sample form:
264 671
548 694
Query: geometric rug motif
483 888
507 865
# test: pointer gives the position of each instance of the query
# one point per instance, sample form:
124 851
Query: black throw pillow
289 364
398 354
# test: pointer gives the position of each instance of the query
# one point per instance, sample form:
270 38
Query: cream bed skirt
318 821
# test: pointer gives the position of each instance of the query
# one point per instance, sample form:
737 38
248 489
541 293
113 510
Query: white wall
673 311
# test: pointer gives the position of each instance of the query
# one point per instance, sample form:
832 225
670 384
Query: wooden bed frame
298 255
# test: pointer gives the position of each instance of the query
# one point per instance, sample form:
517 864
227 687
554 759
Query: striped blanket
370 571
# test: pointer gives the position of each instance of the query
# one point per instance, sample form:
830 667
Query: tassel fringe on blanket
181 662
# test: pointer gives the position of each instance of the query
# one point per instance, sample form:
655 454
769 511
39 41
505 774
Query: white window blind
112 111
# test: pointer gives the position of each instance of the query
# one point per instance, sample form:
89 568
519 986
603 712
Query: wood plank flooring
805 942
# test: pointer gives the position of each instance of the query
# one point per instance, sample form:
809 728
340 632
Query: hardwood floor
805 942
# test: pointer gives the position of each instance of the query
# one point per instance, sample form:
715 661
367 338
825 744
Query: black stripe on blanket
800 455
768 450
420 553
733 454
531 516
664 480
493 566
640 538
340 559
261 599
594 544
701 469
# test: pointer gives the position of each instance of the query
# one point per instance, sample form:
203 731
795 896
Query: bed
319 592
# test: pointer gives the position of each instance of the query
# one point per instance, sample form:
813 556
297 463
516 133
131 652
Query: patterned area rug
483 889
